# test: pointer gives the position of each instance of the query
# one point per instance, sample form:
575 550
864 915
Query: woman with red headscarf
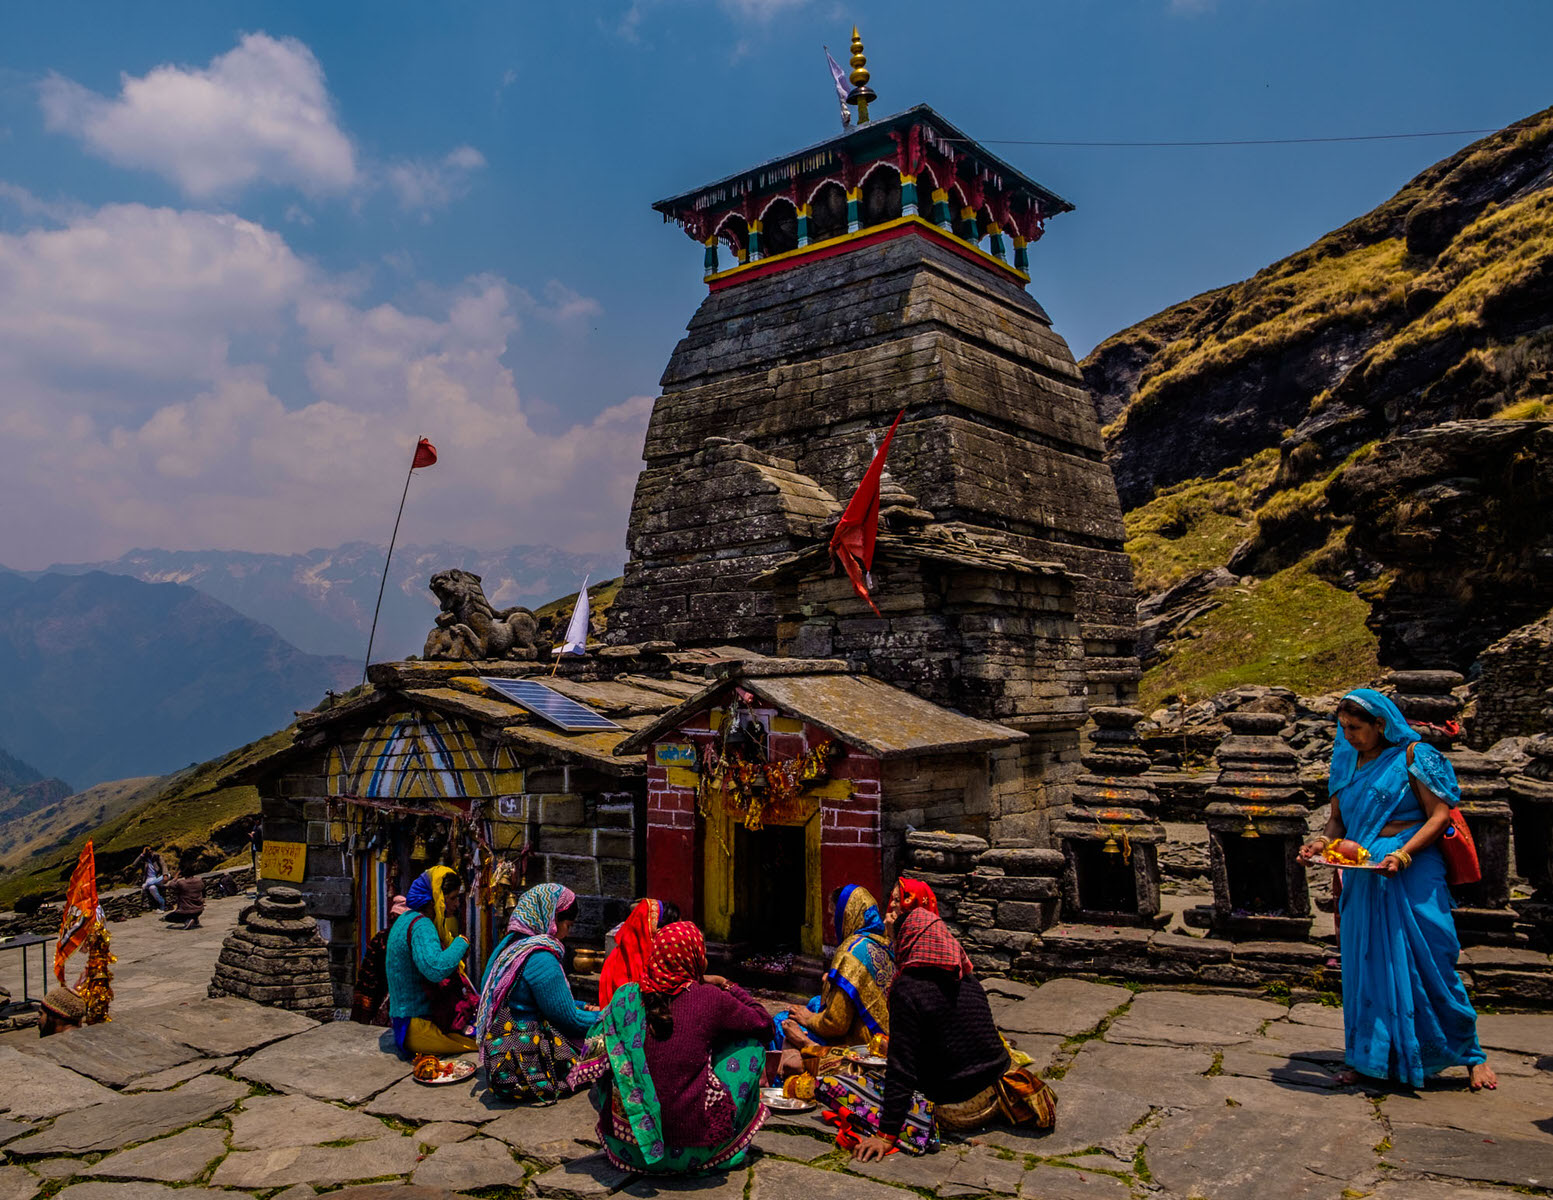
627 962
685 1051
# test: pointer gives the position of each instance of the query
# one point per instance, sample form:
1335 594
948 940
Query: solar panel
549 705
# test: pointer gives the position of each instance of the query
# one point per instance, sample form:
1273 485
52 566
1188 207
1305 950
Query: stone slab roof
866 714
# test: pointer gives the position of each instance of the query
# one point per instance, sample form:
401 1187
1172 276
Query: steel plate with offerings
434 1071
1346 855
773 1099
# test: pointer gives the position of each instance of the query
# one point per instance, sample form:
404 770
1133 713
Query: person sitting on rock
944 1045
60 1010
678 1086
155 876
627 962
531 1030
423 952
186 896
851 1006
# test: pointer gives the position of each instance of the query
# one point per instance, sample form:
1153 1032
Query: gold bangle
1405 858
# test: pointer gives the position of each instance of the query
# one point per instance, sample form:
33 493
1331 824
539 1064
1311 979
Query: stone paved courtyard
1162 1094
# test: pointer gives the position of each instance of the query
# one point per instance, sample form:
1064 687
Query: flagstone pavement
1161 1094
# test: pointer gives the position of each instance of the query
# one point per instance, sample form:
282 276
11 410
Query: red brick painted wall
849 829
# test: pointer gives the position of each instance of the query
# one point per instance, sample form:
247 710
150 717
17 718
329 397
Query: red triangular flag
853 541
425 454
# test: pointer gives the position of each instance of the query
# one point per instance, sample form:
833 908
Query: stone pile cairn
1115 807
276 957
997 899
1531 804
1428 700
1258 795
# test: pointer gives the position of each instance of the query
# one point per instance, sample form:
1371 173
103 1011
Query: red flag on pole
425 454
80 914
853 541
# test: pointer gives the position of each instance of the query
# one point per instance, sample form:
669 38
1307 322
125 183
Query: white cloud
422 186
151 401
259 113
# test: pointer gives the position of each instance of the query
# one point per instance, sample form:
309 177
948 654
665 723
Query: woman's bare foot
1482 1076
1347 1077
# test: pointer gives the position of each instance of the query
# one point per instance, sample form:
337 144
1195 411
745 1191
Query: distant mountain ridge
105 677
321 602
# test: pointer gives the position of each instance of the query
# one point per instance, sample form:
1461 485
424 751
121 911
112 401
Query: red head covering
913 893
923 940
678 959
627 962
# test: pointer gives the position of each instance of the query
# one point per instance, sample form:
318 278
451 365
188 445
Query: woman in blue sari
1406 1015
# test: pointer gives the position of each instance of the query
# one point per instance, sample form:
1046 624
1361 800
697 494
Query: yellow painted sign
283 860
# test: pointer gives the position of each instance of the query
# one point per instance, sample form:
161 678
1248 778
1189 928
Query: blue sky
248 252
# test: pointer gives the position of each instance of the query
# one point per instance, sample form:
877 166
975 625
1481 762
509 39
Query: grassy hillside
56 824
181 813
1231 414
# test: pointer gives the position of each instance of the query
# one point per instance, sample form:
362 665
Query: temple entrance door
763 886
769 891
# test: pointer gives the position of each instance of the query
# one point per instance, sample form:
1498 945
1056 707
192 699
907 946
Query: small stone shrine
276 957
1109 837
1257 820
1426 698
1531 807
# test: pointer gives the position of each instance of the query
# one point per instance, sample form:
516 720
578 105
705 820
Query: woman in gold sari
852 1005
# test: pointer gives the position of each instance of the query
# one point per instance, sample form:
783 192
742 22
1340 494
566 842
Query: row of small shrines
747 798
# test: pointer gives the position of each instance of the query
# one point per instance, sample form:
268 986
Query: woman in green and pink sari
679 1089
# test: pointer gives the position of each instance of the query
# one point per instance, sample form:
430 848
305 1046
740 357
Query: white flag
842 90
577 632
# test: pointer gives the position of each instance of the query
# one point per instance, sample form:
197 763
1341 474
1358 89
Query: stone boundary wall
1507 698
121 903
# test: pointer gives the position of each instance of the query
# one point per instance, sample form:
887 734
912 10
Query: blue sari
1405 1013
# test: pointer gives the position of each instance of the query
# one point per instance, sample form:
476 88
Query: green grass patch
1527 410
1195 525
1292 629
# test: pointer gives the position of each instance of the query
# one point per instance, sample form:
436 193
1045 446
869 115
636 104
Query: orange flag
853 541
80 915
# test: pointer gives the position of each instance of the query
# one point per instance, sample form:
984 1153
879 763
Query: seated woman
1406 1015
851 1006
531 1031
627 962
686 1050
422 952
907 895
944 1045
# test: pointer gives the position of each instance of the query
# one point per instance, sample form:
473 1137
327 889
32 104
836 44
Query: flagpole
394 537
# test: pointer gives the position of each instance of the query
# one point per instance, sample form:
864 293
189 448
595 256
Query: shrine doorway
770 892
761 888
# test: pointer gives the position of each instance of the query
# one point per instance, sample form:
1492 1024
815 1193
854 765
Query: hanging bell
1250 830
1110 846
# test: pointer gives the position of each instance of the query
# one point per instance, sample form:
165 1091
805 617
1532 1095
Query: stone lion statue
470 630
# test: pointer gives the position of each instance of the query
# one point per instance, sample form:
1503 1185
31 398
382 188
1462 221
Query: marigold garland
750 787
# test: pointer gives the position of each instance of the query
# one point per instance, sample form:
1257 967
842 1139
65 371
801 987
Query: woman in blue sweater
422 952
531 1030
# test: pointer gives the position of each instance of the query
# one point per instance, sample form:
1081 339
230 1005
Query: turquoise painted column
854 207
803 225
908 195
1021 255
968 215
711 256
941 215
996 232
755 254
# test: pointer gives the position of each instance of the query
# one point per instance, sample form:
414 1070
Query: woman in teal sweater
422 952
531 1029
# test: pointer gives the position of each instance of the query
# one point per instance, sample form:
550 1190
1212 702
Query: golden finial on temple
861 93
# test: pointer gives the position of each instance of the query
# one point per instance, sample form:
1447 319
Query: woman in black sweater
943 1042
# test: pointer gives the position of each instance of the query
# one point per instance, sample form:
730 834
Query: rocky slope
1344 459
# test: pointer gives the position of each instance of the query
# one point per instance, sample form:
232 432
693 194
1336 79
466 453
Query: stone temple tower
870 273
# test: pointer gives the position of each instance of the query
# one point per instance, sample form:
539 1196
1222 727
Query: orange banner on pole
80 915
